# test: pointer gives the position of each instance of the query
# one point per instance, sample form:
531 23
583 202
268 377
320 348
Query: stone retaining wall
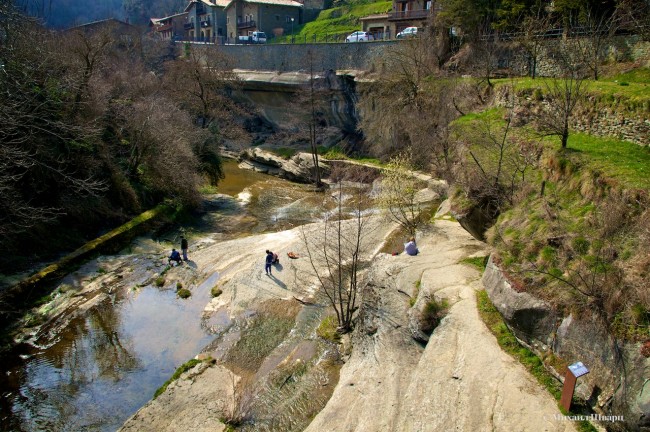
297 57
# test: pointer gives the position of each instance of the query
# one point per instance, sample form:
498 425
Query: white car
407 32
360 36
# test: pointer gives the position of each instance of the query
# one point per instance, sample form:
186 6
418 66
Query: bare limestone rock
460 381
300 168
618 379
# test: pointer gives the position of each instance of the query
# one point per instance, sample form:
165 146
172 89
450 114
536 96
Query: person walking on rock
269 261
184 247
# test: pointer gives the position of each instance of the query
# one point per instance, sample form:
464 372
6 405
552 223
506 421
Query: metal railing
245 24
412 14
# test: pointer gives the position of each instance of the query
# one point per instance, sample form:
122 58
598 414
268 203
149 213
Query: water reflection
110 359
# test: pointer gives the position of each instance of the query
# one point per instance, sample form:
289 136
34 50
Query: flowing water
108 361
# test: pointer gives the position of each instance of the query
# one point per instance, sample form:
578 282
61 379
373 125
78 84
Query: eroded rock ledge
618 378
300 168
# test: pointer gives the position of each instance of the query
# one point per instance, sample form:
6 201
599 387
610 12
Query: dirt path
461 381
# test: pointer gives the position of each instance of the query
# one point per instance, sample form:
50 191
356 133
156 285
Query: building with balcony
404 13
205 20
169 28
273 17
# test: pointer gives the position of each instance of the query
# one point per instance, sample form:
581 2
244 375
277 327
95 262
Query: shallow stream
109 360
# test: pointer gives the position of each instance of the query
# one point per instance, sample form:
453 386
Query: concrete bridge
300 57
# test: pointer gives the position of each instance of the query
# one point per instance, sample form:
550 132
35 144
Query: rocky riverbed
460 380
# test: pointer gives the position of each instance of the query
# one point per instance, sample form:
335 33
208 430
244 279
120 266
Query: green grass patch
336 22
284 152
416 292
159 282
216 291
621 160
184 293
208 189
327 329
478 262
506 339
640 75
336 153
182 369
635 95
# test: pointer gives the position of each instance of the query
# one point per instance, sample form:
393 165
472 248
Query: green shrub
580 245
624 83
327 329
216 291
431 315
178 286
160 281
548 254
184 293
479 262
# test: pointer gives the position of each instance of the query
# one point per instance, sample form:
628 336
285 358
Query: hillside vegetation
336 23
576 229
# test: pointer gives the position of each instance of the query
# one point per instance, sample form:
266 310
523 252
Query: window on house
277 17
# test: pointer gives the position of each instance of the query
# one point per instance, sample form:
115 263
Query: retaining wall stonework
297 57
360 56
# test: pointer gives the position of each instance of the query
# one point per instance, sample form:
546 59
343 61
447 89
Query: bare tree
593 38
562 94
397 195
485 53
406 108
88 51
494 162
201 82
313 121
531 37
635 17
336 255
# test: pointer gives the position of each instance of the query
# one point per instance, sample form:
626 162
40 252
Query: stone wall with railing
301 57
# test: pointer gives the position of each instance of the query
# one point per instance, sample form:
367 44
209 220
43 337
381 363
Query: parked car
255 37
407 32
360 36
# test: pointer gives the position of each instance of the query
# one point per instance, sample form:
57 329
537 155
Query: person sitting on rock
175 256
411 248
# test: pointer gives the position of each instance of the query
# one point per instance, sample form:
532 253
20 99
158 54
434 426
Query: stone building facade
206 20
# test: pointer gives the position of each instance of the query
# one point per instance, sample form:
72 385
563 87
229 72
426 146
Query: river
107 361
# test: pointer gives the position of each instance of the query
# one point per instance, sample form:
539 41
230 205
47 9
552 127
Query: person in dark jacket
184 247
268 262
175 256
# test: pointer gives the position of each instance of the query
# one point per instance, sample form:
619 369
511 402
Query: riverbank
389 381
